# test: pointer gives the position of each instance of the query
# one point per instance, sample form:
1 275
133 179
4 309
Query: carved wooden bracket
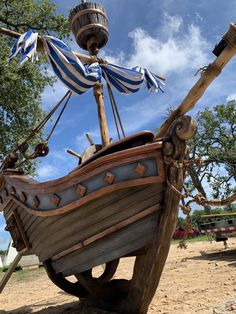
14 226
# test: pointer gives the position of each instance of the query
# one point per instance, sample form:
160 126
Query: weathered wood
70 287
94 195
89 20
131 141
98 93
9 272
208 75
131 238
40 47
92 223
148 267
114 228
83 173
82 217
119 218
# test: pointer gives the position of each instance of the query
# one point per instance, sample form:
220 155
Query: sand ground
201 279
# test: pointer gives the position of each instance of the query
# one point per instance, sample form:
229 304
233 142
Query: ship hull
119 203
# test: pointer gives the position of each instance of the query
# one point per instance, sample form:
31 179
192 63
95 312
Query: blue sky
171 37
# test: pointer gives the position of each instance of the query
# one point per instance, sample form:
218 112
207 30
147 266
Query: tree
21 87
215 143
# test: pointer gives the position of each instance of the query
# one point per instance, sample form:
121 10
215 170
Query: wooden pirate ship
122 200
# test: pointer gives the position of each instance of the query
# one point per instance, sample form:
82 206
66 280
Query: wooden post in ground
98 93
9 272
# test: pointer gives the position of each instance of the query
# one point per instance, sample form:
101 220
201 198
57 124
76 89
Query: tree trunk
198 185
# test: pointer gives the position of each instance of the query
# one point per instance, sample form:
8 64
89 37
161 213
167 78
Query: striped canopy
25 47
79 77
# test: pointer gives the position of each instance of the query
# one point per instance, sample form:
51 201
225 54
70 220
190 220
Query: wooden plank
86 228
75 216
81 174
92 196
107 232
90 225
25 217
118 244
9 209
148 268
9 272
66 240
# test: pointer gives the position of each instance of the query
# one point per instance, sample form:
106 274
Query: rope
41 149
199 199
175 190
42 123
59 117
112 98
113 111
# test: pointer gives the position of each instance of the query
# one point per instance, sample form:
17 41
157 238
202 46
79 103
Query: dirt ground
201 279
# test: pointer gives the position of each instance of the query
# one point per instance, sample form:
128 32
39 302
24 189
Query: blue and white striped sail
123 79
79 77
153 83
25 47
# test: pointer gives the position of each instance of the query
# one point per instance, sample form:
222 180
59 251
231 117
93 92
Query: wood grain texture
118 244
101 235
98 94
95 195
88 221
101 164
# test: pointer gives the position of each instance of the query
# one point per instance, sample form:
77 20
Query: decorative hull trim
121 170
82 201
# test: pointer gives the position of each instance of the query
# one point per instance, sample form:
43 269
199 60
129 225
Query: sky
171 37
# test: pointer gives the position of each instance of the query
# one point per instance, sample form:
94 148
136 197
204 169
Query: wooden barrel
89 20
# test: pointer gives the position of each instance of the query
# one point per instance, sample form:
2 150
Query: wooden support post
9 272
98 93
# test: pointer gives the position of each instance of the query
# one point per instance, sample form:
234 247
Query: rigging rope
59 117
113 103
42 123
41 149
114 114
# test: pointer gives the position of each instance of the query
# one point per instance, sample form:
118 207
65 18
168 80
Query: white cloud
2 227
172 55
57 164
171 25
231 97
174 48
4 243
82 142
52 95
47 171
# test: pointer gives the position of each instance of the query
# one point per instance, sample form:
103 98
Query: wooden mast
99 96
89 23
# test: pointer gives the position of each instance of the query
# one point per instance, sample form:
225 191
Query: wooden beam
82 57
9 272
208 75
98 93
120 225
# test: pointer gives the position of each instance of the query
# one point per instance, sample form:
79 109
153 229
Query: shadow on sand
81 307
223 255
